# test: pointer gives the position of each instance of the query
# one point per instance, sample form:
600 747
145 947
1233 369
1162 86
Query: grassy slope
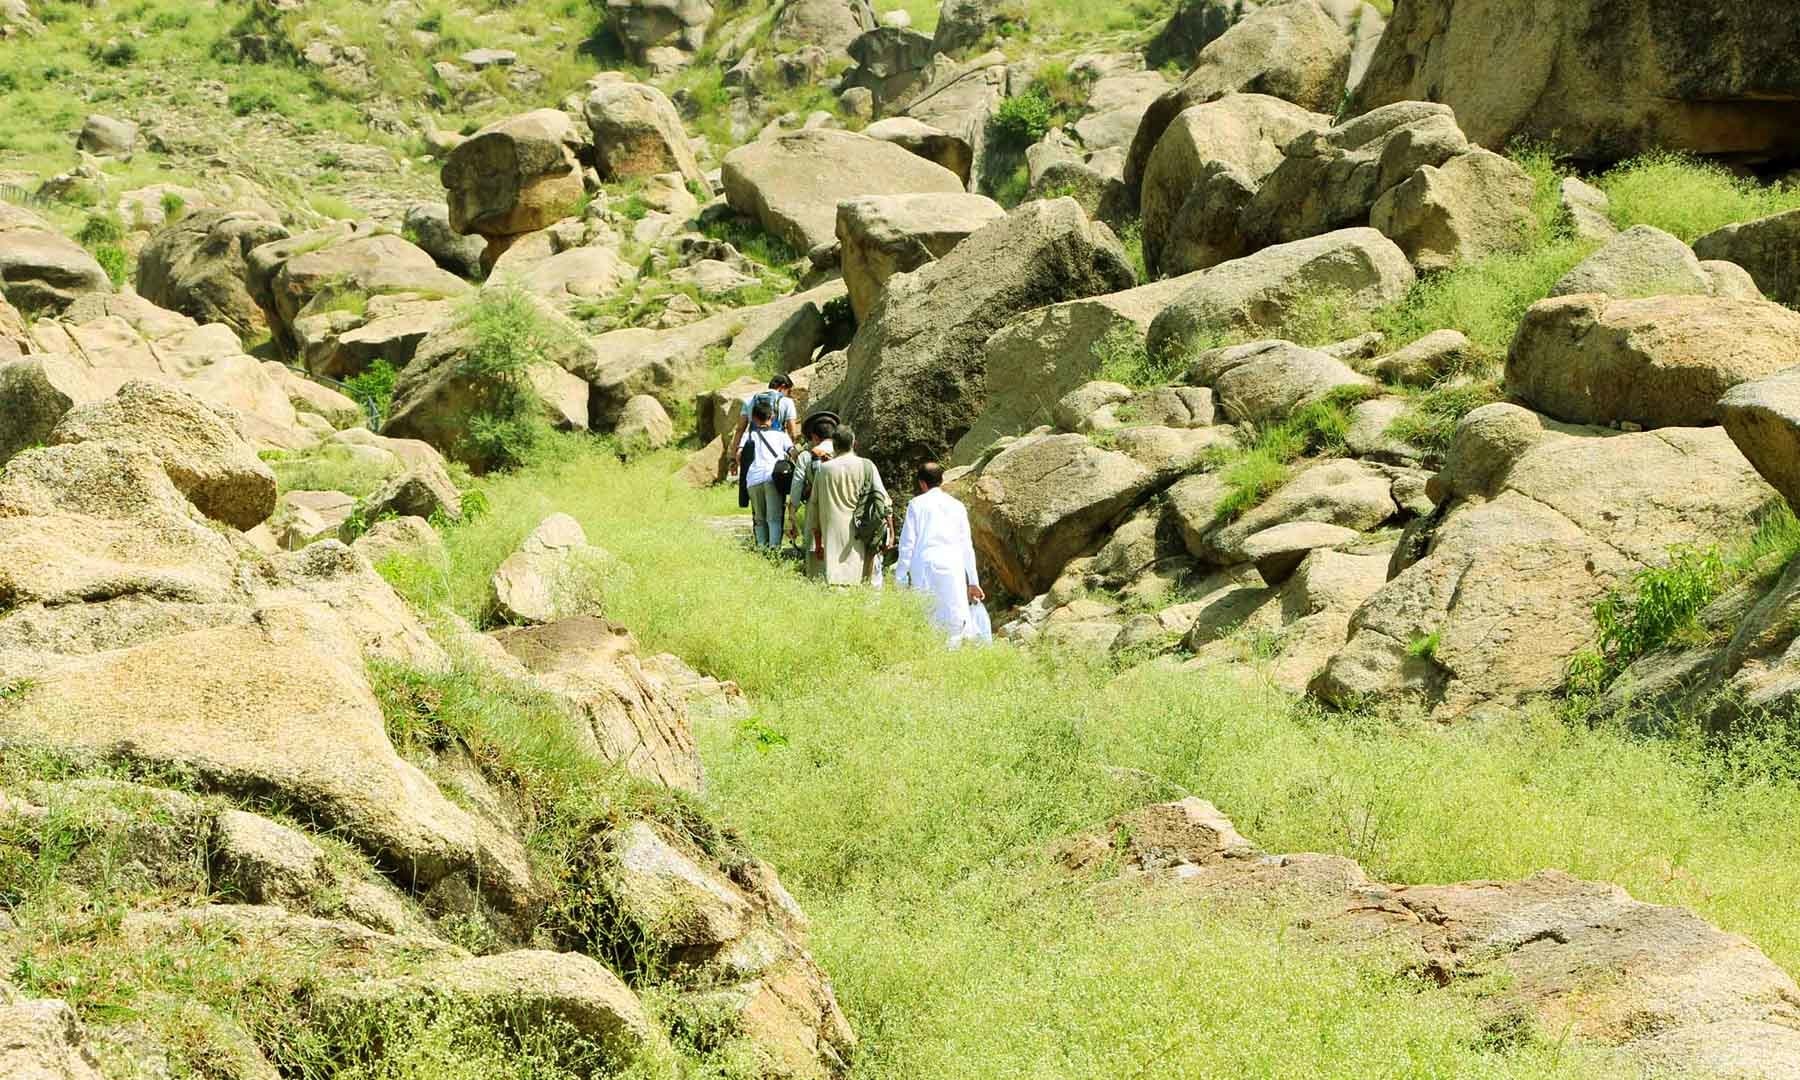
906 795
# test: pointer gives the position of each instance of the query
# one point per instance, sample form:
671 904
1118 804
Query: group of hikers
806 479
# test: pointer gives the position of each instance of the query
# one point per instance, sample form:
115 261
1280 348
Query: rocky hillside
360 365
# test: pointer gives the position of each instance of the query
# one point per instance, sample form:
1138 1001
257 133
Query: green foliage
324 468
1687 196
114 261
173 206
916 792
100 229
509 334
1431 415
1025 118
1122 357
115 53
1255 471
373 387
1425 647
1660 606
1132 238
253 99
750 240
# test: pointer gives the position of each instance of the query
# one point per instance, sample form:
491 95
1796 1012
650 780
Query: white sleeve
909 539
968 545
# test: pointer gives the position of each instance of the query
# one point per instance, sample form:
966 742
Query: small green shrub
114 261
115 53
1430 419
1122 357
1425 647
1687 196
1255 471
373 387
100 229
173 206
1660 606
509 335
1025 118
253 99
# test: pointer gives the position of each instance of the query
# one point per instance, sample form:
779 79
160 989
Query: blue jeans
767 508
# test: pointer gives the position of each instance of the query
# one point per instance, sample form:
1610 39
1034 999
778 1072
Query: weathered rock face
644 424
830 24
514 176
1205 170
1194 25
793 184
1769 248
1261 290
1478 204
889 61
638 133
1661 361
41 270
305 275
1763 419
915 380
200 448
428 224
661 34
196 265
1658 983
1542 519
1043 500
884 235
953 152
551 576
1294 52
44 1040
627 715
1604 81
1645 261
1266 380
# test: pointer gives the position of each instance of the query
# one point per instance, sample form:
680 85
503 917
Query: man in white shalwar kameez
937 554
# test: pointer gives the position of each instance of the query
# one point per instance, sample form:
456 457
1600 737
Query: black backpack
783 476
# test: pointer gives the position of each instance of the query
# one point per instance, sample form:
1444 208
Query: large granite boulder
1763 419
1361 267
792 184
1540 521
515 175
316 273
884 235
1661 361
638 133
1042 501
40 269
915 380
1295 52
1204 171
1601 80
663 35
1769 248
1645 261
197 265
1475 205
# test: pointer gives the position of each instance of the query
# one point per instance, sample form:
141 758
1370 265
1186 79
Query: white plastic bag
981 628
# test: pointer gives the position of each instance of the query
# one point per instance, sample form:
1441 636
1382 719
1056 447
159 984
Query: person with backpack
937 555
766 474
782 410
848 514
819 428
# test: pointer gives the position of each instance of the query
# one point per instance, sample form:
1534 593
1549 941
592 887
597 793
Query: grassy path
906 795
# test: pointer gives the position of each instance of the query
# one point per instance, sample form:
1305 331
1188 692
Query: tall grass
908 794
1687 196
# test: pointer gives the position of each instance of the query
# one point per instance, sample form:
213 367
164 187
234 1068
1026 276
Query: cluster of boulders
141 534
1656 989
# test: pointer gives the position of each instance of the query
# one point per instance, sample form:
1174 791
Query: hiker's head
929 475
843 440
824 431
782 383
761 415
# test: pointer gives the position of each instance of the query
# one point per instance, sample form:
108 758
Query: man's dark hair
843 440
931 474
824 430
762 411
781 382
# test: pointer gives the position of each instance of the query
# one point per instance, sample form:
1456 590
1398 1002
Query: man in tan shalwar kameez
836 486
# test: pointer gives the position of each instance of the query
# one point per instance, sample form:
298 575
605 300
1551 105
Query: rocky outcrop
1204 171
514 176
1264 381
1475 205
1361 267
1537 521
1763 419
625 715
201 449
1766 248
915 380
933 144
644 425
1662 361
1294 52
880 236
1645 261
1602 81
638 133
197 265
43 1039
41 270
1043 500
663 35
792 184
553 575
1659 985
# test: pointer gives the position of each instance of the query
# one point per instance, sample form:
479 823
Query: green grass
1432 414
324 468
1687 196
906 795
1122 357
1255 471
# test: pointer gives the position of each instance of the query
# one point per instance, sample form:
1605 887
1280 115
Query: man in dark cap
819 428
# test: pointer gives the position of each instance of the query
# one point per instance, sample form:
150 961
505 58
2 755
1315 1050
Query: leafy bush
1430 419
1687 196
115 53
1025 118
1659 606
508 336
114 261
1122 357
373 388
173 206
100 229
253 100
1254 472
